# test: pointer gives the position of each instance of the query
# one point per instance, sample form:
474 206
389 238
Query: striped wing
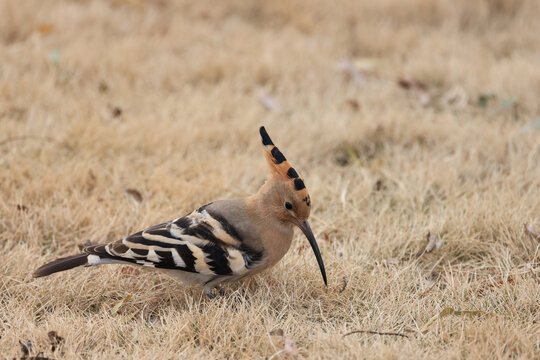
199 242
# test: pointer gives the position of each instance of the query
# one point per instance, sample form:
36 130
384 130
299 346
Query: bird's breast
276 241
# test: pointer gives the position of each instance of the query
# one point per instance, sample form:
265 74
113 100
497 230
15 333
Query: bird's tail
61 264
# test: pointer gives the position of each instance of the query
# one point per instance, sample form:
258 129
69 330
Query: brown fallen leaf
277 332
344 285
432 242
417 87
91 175
129 271
424 293
375 333
103 87
26 347
45 29
288 343
135 194
55 340
120 303
529 230
353 104
408 84
301 248
496 284
431 245
327 237
116 111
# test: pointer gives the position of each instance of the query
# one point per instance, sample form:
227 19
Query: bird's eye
288 205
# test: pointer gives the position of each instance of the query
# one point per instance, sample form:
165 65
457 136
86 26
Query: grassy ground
405 118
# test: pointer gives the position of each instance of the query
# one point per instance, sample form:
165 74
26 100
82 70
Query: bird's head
288 197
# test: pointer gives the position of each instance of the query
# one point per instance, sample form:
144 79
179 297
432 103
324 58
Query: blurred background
168 95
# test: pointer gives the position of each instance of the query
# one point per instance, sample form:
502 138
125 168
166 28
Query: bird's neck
276 235
264 202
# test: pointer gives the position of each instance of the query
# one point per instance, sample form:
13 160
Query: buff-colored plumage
222 241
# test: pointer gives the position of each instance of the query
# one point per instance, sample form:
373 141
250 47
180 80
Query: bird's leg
222 291
208 292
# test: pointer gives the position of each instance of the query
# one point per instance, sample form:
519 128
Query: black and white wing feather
200 242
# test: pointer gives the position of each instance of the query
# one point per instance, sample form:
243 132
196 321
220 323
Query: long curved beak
306 229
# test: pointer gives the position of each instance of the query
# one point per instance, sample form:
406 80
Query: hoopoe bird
223 241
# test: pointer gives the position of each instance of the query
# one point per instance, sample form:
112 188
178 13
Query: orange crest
282 168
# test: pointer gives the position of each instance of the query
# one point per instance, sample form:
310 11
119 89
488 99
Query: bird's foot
208 292
222 292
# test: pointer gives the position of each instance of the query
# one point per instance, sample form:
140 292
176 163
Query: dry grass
166 98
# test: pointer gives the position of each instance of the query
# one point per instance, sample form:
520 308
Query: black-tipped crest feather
277 155
299 184
265 138
292 173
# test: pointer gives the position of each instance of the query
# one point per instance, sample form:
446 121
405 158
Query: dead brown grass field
97 97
